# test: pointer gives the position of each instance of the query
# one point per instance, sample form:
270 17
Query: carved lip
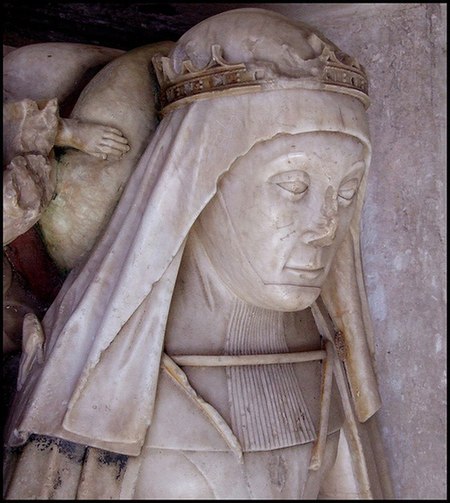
306 272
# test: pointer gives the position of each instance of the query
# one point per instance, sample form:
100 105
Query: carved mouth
306 272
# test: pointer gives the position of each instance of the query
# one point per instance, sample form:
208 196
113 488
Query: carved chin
286 298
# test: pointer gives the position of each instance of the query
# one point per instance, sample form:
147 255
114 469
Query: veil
105 330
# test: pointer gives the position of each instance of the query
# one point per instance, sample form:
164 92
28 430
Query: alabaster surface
51 70
216 341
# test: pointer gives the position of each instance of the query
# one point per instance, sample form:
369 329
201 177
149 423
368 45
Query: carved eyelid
290 176
347 194
295 182
352 181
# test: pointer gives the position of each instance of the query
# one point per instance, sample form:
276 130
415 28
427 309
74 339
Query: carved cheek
330 205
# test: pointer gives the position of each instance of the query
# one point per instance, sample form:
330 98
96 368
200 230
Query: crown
334 71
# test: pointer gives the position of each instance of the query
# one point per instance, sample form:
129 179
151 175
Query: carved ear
345 299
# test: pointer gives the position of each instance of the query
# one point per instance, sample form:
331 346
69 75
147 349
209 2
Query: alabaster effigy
213 337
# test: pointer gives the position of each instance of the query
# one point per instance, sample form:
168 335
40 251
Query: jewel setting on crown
336 72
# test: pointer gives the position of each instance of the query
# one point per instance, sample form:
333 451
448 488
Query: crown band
219 77
214 80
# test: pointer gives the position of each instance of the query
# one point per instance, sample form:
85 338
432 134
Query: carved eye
296 187
348 190
295 182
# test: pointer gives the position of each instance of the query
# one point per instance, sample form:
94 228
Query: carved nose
324 230
322 236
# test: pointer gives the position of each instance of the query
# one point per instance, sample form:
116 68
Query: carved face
280 214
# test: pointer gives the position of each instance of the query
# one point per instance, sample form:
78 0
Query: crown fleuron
332 71
344 71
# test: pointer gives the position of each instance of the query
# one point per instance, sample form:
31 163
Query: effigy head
281 113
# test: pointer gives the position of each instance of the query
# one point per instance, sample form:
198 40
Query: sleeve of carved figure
29 132
32 346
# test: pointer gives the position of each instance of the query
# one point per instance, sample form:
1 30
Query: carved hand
95 139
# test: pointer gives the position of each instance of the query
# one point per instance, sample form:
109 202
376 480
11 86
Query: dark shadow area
121 25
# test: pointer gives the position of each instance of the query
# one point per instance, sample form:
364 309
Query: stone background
403 48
